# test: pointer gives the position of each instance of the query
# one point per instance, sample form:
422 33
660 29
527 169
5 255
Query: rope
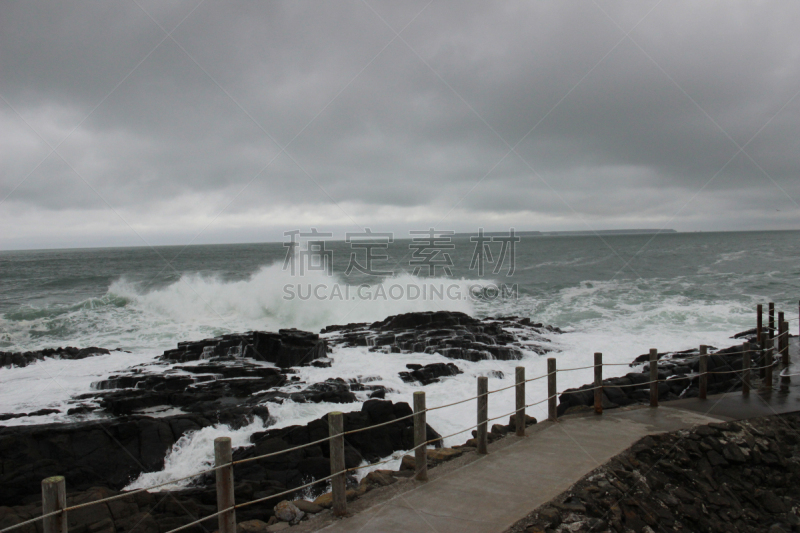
540 377
542 401
454 403
576 368
32 520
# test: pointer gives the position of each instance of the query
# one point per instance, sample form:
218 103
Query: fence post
519 422
703 372
54 497
653 377
598 383
223 455
759 322
771 320
746 369
783 343
420 436
769 362
483 414
552 412
762 341
338 481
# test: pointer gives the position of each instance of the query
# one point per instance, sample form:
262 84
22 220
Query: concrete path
491 493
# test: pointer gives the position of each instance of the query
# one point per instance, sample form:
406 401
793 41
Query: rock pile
452 334
728 477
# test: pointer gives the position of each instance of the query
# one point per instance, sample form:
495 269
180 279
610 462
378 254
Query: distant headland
580 232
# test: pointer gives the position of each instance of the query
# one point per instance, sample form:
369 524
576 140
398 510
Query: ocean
615 294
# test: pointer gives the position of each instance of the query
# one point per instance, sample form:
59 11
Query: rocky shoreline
679 369
721 478
233 379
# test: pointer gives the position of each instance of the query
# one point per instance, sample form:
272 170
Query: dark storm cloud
607 129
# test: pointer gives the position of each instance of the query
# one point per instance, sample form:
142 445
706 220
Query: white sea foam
50 383
264 301
194 452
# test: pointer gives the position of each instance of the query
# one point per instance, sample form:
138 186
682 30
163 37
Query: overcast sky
136 122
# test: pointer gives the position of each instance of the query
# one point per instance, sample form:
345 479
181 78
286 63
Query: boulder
288 512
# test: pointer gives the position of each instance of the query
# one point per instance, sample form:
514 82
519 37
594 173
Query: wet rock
428 374
287 348
98 453
451 334
22 359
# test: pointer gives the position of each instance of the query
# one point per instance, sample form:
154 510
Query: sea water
615 294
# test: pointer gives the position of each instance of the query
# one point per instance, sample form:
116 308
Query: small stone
408 463
380 479
280 526
288 512
443 454
550 516
732 453
307 506
716 459
325 500
251 526
771 502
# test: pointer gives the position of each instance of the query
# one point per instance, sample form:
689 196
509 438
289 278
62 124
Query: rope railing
336 437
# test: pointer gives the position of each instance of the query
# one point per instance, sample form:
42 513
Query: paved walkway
493 492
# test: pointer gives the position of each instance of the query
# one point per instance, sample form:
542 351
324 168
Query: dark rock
98 453
22 359
429 373
451 334
666 482
287 348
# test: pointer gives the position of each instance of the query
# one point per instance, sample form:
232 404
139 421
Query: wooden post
519 422
552 412
483 414
762 341
338 481
223 455
54 497
653 377
420 436
746 368
759 324
598 383
781 339
769 362
783 343
771 320
703 372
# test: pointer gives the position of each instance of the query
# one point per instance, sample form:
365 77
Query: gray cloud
609 131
